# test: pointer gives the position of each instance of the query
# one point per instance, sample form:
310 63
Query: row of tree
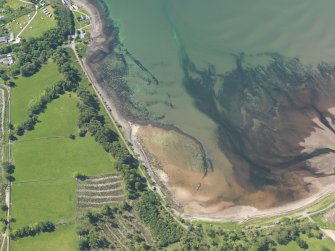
161 224
69 83
266 239
90 120
9 169
92 229
34 229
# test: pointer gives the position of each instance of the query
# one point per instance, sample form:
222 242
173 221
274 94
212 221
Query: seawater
161 33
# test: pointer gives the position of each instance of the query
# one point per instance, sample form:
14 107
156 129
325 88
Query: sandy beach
99 46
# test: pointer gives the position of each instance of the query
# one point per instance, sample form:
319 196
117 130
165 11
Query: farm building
84 19
7 38
68 3
6 59
4 40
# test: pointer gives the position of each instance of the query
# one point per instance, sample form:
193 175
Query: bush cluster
32 230
161 224
91 121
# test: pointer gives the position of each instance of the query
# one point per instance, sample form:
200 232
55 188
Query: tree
4 207
301 243
79 176
10 178
28 69
84 244
5 77
8 167
19 130
325 249
72 136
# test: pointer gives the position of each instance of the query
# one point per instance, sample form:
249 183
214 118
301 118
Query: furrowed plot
97 191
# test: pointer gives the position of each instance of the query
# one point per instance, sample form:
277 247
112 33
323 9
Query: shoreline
98 41
99 44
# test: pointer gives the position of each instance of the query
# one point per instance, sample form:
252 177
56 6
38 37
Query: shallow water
161 34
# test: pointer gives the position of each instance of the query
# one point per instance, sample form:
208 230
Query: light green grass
15 4
29 89
46 160
19 23
53 200
322 222
59 157
314 245
79 24
58 120
40 24
322 204
63 239
225 225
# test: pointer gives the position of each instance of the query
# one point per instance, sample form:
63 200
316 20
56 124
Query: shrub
32 230
301 243
79 176
8 167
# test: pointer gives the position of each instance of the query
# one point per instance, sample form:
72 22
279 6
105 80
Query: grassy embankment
46 159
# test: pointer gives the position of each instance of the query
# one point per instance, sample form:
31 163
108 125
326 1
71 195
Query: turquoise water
162 34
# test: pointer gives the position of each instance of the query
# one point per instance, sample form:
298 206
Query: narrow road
8 191
329 233
6 103
19 34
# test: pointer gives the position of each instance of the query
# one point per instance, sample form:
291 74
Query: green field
19 23
62 240
15 4
314 245
40 24
46 159
29 89
52 200
47 153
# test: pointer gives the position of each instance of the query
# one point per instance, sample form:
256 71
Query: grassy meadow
47 153
46 160
40 24
29 89
61 241
15 4
313 245
17 25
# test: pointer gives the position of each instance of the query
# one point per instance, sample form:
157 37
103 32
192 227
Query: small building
6 59
67 3
11 37
4 39
84 18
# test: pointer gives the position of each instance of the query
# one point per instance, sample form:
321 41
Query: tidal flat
244 81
